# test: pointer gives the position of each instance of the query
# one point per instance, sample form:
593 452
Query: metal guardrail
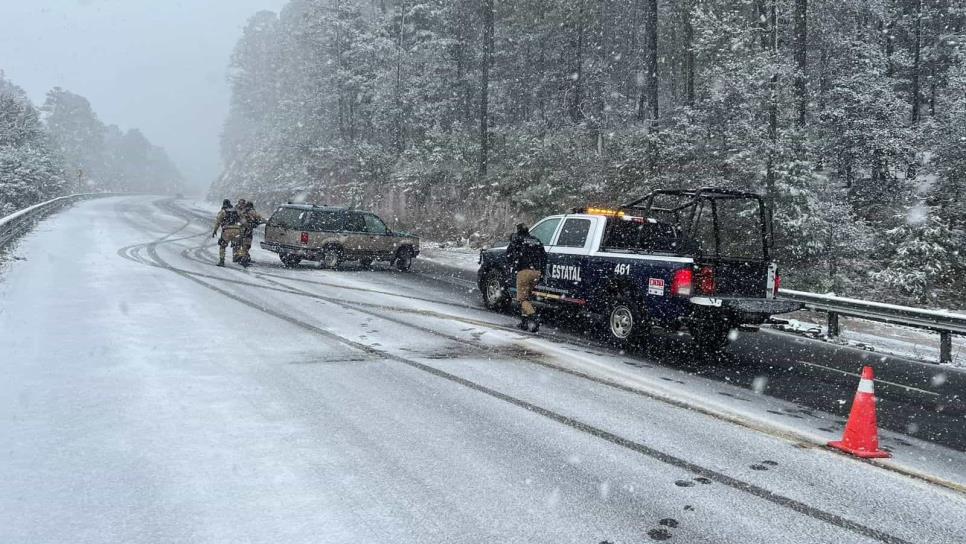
19 222
942 322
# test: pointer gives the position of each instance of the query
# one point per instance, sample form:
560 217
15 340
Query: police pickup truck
677 259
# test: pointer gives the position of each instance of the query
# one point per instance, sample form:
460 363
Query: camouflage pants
231 236
526 281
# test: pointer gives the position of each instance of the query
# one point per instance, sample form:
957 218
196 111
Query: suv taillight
705 282
778 284
304 239
681 282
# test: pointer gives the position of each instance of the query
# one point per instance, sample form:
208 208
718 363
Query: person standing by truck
526 258
228 221
250 220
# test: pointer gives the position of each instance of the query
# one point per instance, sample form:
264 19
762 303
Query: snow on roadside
896 340
463 258
22 212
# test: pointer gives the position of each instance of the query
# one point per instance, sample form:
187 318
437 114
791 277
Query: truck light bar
599 211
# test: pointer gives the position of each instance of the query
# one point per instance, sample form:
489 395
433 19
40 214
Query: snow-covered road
149 396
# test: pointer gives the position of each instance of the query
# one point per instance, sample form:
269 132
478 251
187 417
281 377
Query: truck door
356 236
380 244
567 265
545 231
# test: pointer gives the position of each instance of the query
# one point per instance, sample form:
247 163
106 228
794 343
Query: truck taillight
681 282
778 284
304 239
705 282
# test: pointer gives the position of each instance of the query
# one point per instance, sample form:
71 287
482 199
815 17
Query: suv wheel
494 291
331 257
365 263
289 260
404 259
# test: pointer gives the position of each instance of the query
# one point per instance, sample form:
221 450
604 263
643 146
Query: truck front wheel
494 291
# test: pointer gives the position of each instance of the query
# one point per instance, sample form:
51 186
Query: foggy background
156 65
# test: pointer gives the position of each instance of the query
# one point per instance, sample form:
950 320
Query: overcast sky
157 65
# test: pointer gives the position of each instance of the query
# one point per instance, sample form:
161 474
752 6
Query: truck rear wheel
623 324
709 336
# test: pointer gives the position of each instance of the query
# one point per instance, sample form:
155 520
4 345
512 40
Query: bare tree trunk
915 63
763 34
801 57
689 56
541 93
461 71
652 80
397 122
576 115
485 83
772 105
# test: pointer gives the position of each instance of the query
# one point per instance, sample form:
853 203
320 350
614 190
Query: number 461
622 269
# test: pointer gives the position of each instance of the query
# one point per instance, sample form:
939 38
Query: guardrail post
945 348
833 324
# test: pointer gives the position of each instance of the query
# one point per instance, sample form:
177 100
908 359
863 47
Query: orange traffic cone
861 437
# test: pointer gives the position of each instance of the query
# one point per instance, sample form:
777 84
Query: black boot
524 323
534 324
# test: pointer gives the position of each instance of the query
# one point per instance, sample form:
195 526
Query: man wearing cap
527 258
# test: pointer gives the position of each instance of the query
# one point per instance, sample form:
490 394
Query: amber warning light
599 211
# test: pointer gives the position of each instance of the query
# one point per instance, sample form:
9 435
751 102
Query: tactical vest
231 218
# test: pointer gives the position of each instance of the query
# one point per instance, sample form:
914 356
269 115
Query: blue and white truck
696 260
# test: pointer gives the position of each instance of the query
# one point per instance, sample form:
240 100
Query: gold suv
333 235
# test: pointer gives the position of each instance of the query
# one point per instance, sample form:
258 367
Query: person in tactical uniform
250 220
527 258
228 220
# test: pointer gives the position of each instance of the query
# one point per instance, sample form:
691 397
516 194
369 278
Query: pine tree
30 171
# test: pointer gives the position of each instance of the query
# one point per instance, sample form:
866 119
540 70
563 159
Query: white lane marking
909 387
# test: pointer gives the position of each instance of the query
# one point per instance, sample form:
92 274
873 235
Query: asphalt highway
150 396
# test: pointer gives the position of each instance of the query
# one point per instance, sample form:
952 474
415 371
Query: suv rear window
287 218
324 221
643 236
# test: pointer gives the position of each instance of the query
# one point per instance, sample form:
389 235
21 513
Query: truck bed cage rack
693 194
